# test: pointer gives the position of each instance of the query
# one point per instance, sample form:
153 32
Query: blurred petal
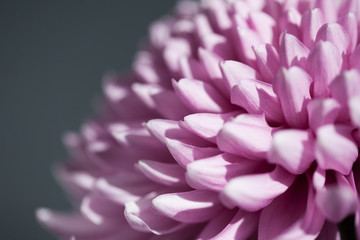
350 23
268 62
311 22
354 105
322 112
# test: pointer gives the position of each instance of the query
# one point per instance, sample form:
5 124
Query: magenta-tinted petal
158 127
175 49
143 91
292 51
328 8
324 64
188 207
336 34
335 148
290 221
248 39
257 97
296 155
268 62
347 6
234 71
264 26
169 174
169 105
193 69
248 136
354 106
355 58
240 191
125 187
292 86
322 112
185 153
336 202
208 99
217 44
207 125
290 22
311 22
350 23
319 178
241 227
142 217
215 172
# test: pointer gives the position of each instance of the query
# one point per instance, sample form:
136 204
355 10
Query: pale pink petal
348 6
257 97
319 178
335 148
143 92
336 34
324 64
206 125
247 39
188 207
268 62
311 22
322 112
328 8
208 99
158 127
354 106
241 227
187 232
292 51
168 105
143 218
336 202
292 87
355 58
291 220
193 69
240 191
169 174
296 155
219 16
264 25
248 136
350 23
218 45
125 187
215 172
234 71
290 22
175 49
185 153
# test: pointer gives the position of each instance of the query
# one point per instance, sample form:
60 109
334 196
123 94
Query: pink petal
296 155
336 202
208 99
158 127
336 34
168 105
234 71
311 22
319 178
354 104
292 51
218 45
348 6
189 207
290 22
219 15
292 87
247 136
215 172
125 187
329 232
247 39
242 226
193 69
350 23
175 49
328 8
355 58
141 217
335 148
291 221
324 64
268 62
257 97
263 24
163 173
185 153
322 112
240 191
206 125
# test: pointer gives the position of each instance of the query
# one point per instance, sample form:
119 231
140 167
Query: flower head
240 121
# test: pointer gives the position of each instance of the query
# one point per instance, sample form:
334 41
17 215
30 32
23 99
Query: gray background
52 57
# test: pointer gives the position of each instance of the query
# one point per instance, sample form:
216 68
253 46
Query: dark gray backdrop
52 57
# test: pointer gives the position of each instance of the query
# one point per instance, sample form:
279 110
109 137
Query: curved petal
336 34
268 62
311 22
240 191
322 112
292 51
354 108
189 207
296 155
335 149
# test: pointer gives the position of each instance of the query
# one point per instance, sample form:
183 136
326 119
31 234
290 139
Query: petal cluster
240 120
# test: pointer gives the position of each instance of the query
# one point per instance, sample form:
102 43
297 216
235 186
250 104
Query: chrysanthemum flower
240 121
